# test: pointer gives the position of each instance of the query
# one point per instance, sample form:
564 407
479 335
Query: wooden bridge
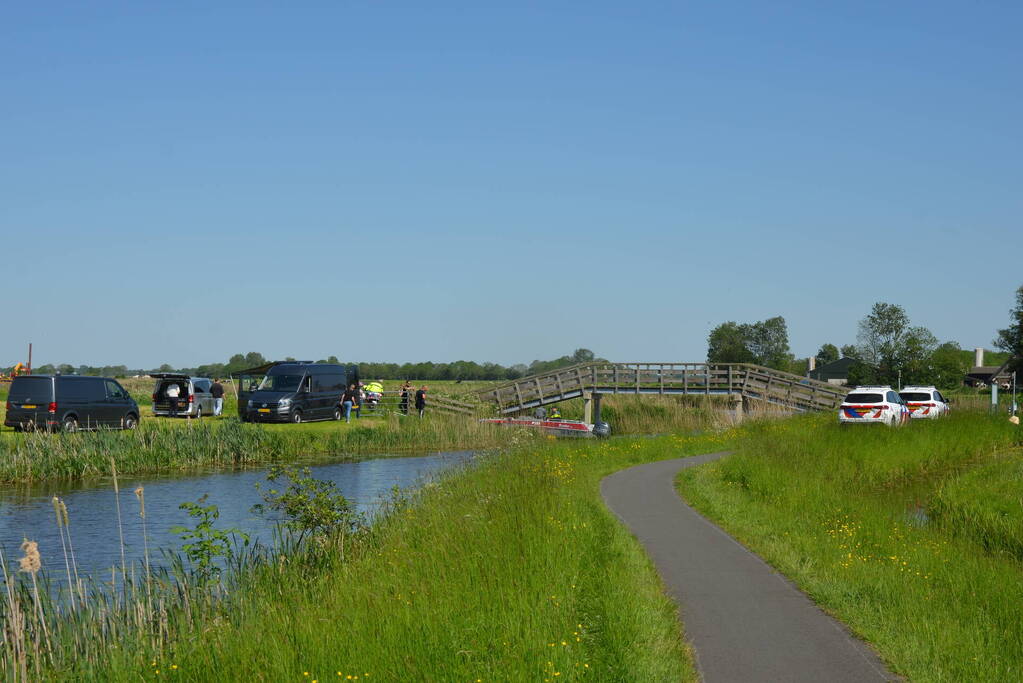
741 381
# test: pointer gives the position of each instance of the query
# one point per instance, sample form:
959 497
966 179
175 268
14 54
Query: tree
827 353
769 343
582 356
1011 338
887 343
849 351
728 343
765 343
946 367
254 358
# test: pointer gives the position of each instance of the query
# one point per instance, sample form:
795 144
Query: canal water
92 508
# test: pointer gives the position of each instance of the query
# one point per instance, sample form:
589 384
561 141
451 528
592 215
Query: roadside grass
909 536
509 569
985 505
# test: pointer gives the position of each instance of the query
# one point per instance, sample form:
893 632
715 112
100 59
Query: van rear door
30 399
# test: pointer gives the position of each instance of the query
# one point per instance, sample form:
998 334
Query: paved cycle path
746 622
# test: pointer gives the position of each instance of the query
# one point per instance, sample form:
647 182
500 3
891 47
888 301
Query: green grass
510 570
909 536
177 445
985 505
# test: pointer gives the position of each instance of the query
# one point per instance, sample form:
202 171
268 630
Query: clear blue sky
440 181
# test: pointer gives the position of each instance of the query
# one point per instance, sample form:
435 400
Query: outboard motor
601 429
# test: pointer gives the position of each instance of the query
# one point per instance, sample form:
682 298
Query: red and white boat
557 427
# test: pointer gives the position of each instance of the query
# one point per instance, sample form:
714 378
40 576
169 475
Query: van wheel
70 424
131 421
198 412
296 417
18 428
337 414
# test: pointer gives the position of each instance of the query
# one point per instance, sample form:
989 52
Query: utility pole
1014 392
30 358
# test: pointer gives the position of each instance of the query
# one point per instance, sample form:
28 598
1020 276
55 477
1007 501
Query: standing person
217 390
421 400
404 396
348 400
360 397
172 392
540 413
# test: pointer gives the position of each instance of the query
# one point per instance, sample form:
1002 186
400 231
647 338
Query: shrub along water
509 569
910 536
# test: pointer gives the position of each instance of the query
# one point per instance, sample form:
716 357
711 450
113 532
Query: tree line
457 370
888 348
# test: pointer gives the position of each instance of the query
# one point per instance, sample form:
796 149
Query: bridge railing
748 380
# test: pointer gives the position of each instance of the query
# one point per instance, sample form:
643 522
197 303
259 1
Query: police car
873 405
924 403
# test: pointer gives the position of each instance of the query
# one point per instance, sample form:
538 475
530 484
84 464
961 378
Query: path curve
746 622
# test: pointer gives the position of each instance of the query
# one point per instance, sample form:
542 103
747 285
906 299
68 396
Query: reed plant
908 535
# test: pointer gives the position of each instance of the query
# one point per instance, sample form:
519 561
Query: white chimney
978 357
812 363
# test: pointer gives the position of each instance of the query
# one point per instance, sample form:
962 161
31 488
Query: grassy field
509 570
912 537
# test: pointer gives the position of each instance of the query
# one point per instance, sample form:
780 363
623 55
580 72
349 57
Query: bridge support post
737 407
591 407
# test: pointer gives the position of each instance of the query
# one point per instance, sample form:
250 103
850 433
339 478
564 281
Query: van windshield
280 383
31 389
914 396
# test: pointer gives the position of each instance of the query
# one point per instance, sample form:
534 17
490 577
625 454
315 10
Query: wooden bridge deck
736 379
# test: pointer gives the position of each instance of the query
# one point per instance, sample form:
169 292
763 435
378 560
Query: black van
298 392
69 402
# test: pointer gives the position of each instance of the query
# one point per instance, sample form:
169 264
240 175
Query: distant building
985 375
835 372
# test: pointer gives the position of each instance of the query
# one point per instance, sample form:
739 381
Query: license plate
264 410
28 406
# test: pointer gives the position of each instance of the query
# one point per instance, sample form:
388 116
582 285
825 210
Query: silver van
194 397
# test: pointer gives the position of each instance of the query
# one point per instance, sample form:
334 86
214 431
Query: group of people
355 395
541 413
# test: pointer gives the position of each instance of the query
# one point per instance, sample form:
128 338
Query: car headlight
284 402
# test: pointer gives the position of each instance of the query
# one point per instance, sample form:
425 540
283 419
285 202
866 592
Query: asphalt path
745 621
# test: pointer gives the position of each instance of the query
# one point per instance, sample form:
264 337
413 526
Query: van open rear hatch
160 401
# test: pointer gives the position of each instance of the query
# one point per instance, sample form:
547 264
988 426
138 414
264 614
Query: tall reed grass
158 445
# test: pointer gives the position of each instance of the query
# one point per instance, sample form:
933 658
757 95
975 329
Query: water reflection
28 513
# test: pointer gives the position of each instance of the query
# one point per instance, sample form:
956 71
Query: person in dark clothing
406 389
348 400
421 400
217 391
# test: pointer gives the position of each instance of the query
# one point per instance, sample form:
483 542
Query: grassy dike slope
512 570
912 537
